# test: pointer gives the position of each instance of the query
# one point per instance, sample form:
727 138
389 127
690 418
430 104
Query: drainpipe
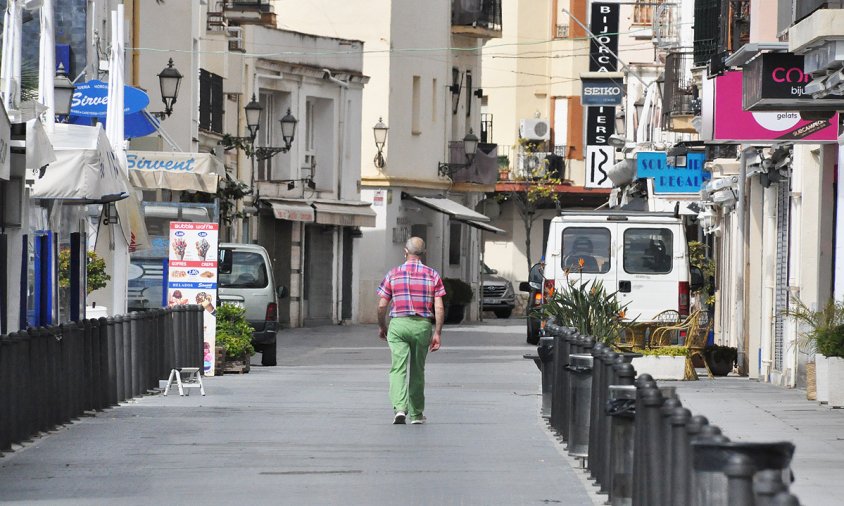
737 325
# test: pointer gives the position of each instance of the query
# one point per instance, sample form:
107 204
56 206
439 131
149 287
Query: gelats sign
668 178
733 124
776 82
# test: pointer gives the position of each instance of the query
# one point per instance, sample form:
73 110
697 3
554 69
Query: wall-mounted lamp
62 91
478 93
470 148
169 80
380 131
253 112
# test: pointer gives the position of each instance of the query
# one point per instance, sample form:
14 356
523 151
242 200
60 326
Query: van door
586 252
648 269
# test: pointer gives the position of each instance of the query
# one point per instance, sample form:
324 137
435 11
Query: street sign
599 160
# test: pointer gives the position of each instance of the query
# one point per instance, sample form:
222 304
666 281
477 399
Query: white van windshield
589 246
648 250
248 271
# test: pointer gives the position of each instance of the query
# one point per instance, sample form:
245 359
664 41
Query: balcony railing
480 18
259 12
707 29
680 96
482 170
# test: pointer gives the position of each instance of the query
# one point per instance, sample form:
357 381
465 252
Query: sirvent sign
90 100
174 171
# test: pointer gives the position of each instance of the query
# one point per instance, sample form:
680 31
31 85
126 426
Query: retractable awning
449 207
174 171
291 210
347 214
485 226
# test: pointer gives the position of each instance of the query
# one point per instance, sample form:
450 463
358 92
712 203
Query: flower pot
454 313
661 367
822 377
835 382
718 365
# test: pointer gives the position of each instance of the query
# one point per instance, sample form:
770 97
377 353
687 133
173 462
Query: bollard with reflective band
580 369
767 485
545 350
712 456
621 409
595 408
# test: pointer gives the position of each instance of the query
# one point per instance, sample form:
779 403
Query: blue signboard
670 179
91 99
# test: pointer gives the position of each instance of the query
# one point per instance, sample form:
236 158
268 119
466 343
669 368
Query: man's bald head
415 246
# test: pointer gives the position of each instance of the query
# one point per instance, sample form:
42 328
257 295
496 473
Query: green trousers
409 338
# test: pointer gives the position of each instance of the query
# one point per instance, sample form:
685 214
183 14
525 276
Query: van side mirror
524 286
696 282
224 265
281 292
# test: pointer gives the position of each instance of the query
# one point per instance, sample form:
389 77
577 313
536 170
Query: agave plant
822 329
586 306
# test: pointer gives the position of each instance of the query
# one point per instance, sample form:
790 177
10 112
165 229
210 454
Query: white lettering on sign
600 91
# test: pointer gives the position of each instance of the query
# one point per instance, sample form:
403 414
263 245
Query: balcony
476 18
680 100
249 12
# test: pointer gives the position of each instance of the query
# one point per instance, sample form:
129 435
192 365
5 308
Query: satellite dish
489 208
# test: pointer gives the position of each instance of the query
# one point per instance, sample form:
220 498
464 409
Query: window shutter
575 129
204 99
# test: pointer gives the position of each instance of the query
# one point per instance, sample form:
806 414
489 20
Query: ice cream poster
192 276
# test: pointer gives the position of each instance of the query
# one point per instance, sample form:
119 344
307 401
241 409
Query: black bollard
563 380
103 384
54 338
127 357
708 486
767 485
739 471
694 426
640 477
652 400
78 369
65 370
169 349
111 346
580 370
119 365
666 453
545 350
595 408
36 365
28 388
557 374
622 409
135 353
785 499
7 412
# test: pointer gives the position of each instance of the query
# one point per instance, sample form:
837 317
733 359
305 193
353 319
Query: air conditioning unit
531 165
535 129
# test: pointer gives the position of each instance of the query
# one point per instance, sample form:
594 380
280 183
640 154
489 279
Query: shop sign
601 92
599 161
669 178
604 25
776 82
91 99
600 124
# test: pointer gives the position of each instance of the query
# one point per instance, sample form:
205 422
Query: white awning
485 226
85 168
292 210
347 214
174 171
450 207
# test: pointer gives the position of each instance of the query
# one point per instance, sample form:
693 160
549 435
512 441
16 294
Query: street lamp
380 131
253 112
253 117
62 92
288 128
470 148
169 80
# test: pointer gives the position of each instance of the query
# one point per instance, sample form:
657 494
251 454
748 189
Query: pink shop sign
732 123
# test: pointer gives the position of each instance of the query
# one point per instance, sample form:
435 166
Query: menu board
192 276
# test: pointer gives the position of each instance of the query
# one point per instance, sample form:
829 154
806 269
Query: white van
641 255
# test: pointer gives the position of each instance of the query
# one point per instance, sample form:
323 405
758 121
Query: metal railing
638 442
50 376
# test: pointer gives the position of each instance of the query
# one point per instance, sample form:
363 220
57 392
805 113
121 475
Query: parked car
246 279
498 294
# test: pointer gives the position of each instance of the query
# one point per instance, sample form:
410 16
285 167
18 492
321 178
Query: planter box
822 378
661 368
835 384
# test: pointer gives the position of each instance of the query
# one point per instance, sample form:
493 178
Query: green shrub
457 291
233 332
664 351
830 341
95 271
821 330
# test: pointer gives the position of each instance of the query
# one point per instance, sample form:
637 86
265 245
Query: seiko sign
602 92
776 82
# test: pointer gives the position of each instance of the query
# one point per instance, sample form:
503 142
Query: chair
696 342
662 335
638 334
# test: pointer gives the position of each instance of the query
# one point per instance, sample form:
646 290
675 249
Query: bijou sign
776 82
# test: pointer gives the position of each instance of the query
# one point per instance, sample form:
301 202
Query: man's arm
439 318
383 304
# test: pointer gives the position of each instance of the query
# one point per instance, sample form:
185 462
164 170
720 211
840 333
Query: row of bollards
50 376
639 444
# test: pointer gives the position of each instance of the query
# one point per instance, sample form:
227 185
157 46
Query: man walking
416 292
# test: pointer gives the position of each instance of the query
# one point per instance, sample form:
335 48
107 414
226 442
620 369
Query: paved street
317 430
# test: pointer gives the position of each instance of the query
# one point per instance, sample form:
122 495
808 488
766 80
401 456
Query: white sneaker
399 418
418 421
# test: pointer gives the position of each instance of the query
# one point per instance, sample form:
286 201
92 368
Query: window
454 243
210 102
247 271
643 11
648 251
416 103
589 244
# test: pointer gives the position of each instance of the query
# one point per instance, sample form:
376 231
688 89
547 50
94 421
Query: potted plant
95 274
822 335
590 309
720 359
665 363
234 334
503 168
458 294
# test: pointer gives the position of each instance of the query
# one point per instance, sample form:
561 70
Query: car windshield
485 269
